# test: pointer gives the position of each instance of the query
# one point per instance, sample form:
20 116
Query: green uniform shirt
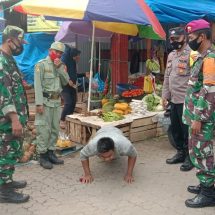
199 100
49 79
12 93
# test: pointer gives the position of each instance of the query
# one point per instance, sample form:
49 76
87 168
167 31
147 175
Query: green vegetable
152 101
111 116
108 107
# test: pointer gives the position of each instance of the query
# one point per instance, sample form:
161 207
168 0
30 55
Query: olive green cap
58 46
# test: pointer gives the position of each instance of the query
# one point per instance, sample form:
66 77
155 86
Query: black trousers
70 98
179 129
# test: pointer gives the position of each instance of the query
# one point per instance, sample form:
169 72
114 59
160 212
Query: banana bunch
152 65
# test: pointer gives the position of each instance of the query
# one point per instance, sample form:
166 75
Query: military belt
54 96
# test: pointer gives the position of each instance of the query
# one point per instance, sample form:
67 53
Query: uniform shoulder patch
37 68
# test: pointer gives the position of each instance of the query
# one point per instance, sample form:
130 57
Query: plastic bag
101 84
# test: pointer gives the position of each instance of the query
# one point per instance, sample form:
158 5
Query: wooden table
135 127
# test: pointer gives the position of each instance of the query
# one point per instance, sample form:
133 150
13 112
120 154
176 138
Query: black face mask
17 50
176 45
194 45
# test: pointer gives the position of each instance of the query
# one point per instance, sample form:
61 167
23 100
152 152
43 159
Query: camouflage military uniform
12 99
48 82
199 106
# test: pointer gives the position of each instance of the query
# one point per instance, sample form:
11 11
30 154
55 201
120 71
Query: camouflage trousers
202 155
10 152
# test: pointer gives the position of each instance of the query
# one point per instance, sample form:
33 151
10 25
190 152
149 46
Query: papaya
121 106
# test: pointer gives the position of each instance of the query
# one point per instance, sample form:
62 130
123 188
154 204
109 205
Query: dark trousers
69 97
179 129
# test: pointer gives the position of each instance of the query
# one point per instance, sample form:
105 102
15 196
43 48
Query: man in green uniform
199 113
13 114
49 77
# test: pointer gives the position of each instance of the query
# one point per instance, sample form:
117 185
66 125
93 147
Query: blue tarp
37 49
182 11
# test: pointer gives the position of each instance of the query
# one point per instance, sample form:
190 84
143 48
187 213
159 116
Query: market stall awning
121 16
181 11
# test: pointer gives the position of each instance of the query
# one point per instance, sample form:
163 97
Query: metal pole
91 67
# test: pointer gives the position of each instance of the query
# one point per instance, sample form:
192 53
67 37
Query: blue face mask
194 45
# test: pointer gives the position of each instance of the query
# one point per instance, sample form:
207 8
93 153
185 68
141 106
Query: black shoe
205 198
44 161
194 189
53 158
179 157
187 165
11 196
16 184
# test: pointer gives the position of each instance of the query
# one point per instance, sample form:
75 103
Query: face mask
176 45
194 45
53 55
17 50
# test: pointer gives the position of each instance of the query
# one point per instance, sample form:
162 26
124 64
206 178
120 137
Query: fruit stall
132 112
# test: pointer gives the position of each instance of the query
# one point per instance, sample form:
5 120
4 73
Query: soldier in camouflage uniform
199 113
49 77
13 114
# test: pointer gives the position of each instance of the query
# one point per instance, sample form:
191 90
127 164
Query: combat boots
44 161
8 195
196 189
53 158
187 165
179 157
205 198
16 184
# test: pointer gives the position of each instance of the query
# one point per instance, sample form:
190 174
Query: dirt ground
158 188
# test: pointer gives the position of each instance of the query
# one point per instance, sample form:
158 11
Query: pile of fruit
113 109
63 143
122 108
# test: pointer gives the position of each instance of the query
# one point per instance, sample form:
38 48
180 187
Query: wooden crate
80 107
144 128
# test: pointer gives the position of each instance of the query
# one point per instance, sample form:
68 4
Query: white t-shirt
122 146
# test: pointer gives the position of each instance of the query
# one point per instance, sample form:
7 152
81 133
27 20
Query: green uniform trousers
47 128
202 155
10 152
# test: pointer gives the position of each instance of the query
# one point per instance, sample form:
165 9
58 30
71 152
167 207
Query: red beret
196 25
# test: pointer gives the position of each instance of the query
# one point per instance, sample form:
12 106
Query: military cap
58 46
196 25
12 31
176 32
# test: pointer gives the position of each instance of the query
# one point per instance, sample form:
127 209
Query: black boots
48 159
187 165
16 185
179 157
195 189
53 158
205 198
44 161
9 195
